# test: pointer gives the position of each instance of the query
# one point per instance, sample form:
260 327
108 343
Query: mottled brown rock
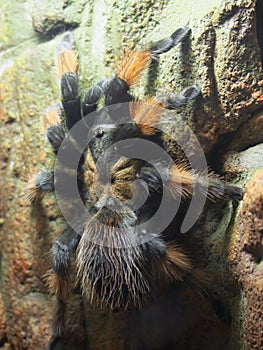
232 90
248 134
246 254
2 321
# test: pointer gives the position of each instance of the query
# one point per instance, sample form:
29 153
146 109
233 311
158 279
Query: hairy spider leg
162 46
167 44
146 113
67 69
67 167
208 184
180 178
51 116
115 90
39 184
59 283
185 182
128 72
176 267
174 101
43 181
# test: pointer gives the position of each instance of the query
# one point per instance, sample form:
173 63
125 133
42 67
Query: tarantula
109 194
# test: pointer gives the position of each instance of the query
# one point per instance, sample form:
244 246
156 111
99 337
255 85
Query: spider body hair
118 264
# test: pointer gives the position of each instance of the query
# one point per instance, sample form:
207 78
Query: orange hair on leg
146 114
181 180
175 265
132 66
66 62
50 117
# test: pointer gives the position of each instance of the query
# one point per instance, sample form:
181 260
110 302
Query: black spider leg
55 135
167 44
160 47
67 67
69 167
175 101
115 90
59 282
66 169
70 98
43 181
170 101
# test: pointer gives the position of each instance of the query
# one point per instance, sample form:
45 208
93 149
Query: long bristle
181 180
50 117
146 115
175 264
132 66
57 285
66 62
32 193
186 182
118 275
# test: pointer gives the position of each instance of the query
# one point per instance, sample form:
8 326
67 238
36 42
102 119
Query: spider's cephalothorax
121 256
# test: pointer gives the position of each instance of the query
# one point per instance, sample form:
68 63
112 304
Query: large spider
121 255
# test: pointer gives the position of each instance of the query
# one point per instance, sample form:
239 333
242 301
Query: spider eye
99 133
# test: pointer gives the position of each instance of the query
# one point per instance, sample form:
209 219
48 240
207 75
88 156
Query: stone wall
224 58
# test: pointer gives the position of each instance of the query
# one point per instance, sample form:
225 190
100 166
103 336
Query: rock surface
246 253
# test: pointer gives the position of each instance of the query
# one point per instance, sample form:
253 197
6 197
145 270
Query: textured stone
50 17
248 135
246 254
248 160
15 24
232 91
